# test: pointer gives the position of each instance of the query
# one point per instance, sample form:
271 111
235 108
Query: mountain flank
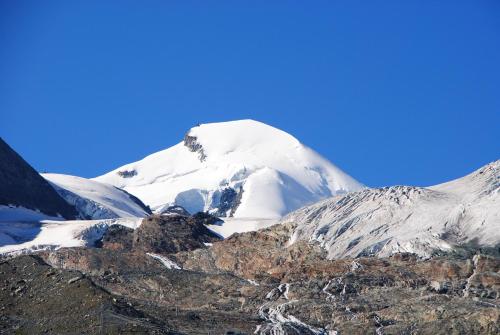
22 186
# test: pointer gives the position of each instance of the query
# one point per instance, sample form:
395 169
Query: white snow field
230 226
244 169
25 237
94 200
406 219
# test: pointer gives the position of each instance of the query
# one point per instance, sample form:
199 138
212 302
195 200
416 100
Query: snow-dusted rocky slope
406 219
240 168
94 200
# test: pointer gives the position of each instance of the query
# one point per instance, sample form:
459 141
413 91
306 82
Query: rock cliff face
21 185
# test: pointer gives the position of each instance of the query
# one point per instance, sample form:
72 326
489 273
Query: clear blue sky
393 92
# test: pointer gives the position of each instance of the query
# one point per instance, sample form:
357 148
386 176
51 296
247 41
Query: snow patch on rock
165 261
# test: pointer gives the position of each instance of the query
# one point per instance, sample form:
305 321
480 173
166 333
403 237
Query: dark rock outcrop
161 234
21 185
117 237
127 173
171 234
191 142
206 219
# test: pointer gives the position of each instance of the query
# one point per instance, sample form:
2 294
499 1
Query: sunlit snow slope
393 219
240 168
94 200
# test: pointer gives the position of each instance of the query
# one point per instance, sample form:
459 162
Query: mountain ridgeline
21 185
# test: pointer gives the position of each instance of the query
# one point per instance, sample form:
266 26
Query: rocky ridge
383 221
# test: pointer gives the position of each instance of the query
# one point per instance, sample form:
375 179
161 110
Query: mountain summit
240 168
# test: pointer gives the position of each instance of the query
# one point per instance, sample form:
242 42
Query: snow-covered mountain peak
239 168
237 137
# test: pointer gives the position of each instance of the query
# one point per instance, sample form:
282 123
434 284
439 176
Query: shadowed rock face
117 237
21 185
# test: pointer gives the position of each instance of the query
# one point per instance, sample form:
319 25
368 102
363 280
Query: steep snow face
94 200
406 219
240 168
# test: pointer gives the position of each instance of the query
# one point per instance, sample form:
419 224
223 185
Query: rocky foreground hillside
173 276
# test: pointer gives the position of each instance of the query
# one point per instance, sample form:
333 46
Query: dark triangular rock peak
21 185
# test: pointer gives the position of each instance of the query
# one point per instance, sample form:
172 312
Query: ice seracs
238 169
394 219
